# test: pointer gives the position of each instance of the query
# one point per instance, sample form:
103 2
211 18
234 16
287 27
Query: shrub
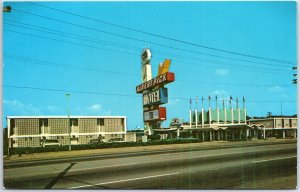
26 150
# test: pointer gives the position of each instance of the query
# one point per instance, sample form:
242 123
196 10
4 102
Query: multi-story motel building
32 131
278 126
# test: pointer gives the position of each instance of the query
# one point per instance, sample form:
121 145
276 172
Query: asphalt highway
250 167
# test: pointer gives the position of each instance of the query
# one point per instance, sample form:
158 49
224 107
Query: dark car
95 141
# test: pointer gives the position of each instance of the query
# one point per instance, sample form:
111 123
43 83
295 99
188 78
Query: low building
217 124
134 135
35 131
275 126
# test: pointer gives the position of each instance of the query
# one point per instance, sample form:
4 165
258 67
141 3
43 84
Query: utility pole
68 111
196 112
8 9
190 113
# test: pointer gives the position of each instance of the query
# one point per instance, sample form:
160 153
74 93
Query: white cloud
15 107
276 88
95 108
222 72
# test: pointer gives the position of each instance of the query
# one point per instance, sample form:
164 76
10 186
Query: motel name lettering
152 97
159 80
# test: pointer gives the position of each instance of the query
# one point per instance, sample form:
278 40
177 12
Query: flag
190 101
208 97
243 99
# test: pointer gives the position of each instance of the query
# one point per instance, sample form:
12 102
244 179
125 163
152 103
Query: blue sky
44 48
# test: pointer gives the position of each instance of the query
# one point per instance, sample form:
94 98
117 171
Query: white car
51 142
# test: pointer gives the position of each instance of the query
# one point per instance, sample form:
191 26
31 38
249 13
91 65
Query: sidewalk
110 151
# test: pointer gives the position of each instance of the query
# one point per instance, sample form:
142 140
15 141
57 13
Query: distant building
275 126
229 123
134 135
217 124
34 131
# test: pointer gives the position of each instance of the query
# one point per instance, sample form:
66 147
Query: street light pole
68 110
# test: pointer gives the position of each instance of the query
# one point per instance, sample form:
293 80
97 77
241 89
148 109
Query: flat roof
271 118
62 116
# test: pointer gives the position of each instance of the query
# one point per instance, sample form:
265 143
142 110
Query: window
13 126
100 122
42 123
74 122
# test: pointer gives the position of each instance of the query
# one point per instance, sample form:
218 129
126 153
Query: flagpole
239 111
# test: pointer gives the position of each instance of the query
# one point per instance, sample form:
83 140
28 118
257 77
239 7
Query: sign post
154 92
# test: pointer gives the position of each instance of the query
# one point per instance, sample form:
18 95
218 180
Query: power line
46 63
114 94
69 91
234 66
67 34
139 40
168 38
68 42
229 65
234 84
40 62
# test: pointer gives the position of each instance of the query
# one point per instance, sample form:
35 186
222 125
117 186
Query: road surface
250 167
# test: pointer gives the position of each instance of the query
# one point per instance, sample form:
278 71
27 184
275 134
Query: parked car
95 141
116 140
50 143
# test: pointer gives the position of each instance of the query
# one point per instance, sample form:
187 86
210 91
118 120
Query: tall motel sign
154 92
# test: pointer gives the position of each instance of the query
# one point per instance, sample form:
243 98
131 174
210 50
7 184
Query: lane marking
274 159
120 181
98 167
112 166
